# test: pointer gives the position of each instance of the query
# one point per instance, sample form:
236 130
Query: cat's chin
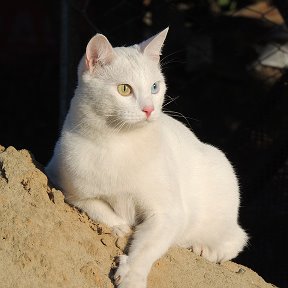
144 122
130 126
138 124
126 124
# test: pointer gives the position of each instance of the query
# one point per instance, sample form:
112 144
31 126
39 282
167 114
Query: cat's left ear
152 47
98 51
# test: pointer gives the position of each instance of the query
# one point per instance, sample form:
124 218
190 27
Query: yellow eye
124 89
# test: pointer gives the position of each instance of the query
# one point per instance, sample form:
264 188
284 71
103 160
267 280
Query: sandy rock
44 242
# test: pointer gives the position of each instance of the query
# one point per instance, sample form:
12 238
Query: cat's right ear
99 51
152 47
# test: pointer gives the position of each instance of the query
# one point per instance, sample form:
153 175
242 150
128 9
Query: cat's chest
120 155
128 152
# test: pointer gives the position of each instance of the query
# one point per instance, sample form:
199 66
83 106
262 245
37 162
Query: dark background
210 61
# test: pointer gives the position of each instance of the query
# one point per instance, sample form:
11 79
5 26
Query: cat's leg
150 241
101 211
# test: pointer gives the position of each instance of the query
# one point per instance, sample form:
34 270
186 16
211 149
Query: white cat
127 164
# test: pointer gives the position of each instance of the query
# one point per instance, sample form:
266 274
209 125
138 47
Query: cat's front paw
125 278
121 230
122 269
131 280
132 283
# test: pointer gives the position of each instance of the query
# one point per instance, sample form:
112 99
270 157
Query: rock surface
44 242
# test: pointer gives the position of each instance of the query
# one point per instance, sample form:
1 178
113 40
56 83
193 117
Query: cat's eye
124 89
155 88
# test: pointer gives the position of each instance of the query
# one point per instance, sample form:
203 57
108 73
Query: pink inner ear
90 64
87 63
98 50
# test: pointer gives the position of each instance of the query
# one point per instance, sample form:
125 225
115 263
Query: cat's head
123 84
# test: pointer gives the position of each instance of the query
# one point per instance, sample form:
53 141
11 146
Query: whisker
164 64
165 60
118 127
171 100
171 54
180 115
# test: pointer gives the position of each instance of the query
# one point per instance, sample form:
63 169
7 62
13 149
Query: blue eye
155 88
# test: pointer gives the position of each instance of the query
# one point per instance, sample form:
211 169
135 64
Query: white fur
152 174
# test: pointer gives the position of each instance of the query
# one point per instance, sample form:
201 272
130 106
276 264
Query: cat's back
190 154
180 136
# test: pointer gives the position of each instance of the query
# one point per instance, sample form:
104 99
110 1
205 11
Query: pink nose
148 110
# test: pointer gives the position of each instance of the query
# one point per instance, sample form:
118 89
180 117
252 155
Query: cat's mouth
120 124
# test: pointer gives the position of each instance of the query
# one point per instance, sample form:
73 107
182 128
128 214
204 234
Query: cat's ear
98 51
152 47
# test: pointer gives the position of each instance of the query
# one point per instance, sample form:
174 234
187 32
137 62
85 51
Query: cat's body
126 163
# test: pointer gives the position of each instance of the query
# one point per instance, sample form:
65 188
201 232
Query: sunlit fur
152 175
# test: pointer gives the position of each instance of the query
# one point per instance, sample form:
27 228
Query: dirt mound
44 242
